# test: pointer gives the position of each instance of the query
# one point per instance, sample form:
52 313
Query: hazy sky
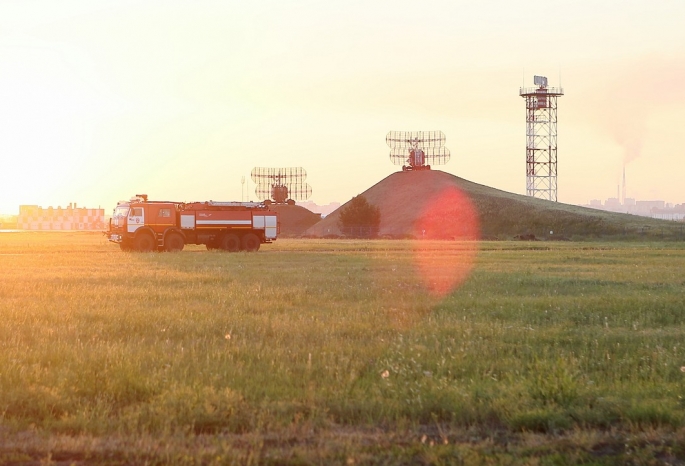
100 100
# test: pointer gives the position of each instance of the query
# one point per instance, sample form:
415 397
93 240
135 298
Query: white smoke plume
626 100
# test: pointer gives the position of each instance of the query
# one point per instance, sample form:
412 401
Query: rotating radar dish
281 185
417 150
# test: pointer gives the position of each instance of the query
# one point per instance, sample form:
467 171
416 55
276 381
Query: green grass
316 351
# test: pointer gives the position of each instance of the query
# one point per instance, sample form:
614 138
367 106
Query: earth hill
294 219
404 197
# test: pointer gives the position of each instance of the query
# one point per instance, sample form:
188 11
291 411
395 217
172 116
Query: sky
101 100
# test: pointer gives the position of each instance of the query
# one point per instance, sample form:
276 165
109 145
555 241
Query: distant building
613 204
645 207
655 209
675 213
33 217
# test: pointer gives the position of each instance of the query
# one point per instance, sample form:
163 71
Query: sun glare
450 216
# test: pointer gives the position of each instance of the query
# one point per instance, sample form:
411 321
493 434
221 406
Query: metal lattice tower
541 139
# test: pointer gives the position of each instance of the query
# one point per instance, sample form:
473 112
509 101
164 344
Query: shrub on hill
360 219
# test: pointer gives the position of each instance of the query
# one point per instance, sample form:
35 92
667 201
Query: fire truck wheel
251 242
230 242
144 242
174 242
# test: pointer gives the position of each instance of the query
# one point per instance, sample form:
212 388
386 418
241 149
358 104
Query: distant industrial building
675 213
654 209
33 217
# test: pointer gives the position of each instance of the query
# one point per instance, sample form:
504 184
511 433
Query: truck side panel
221 219
188 221
268 222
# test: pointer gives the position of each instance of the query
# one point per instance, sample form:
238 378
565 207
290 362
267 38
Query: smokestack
624 185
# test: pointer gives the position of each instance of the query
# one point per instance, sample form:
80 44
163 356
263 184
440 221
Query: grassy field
336 352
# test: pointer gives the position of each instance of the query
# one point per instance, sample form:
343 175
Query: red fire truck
142 225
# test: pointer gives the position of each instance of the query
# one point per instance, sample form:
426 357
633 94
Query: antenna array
281 185
417 150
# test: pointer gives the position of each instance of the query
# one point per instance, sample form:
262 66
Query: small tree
359 218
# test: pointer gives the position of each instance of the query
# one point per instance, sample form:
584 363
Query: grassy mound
295 220
405 197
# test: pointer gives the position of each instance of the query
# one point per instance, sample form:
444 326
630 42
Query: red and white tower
541 139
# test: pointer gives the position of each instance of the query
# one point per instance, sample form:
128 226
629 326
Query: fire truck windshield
121 211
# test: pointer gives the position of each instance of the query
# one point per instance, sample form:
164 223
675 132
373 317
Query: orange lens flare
442 266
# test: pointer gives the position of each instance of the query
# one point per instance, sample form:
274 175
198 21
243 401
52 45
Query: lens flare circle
448 232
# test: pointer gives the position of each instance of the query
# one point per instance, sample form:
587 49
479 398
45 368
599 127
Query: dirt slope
294 219
404 197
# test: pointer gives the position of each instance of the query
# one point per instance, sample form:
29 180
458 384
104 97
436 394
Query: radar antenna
281 185
417 150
